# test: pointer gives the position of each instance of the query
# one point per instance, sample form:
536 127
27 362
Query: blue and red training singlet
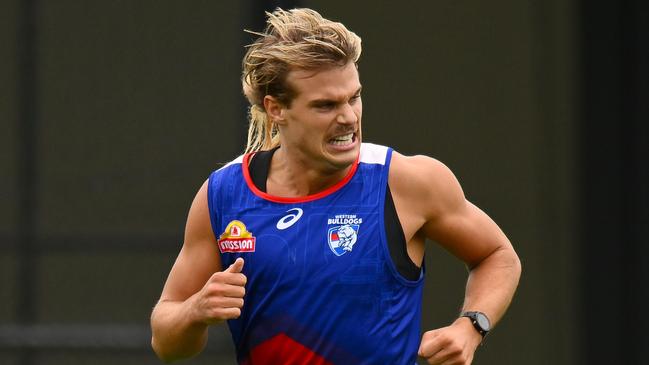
322 288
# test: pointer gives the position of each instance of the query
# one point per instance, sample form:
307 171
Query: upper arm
468 233
432 197
199 257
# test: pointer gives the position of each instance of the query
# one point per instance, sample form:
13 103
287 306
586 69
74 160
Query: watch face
483 321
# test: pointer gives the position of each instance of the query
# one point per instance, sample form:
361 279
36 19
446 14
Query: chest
308 240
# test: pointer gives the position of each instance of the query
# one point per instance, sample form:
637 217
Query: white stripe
373 153
235 161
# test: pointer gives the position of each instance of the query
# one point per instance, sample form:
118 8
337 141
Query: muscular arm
196 293
469 234
433 206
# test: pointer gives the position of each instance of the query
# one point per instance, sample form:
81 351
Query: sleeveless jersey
322 288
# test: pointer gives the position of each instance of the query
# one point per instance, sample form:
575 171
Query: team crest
236 238
343 235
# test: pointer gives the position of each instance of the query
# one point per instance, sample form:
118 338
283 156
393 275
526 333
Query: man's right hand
221 298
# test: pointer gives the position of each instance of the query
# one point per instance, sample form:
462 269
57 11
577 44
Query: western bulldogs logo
344 234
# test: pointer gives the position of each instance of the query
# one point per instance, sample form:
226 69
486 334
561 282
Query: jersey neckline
302 199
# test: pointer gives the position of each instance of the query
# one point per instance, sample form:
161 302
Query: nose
347 115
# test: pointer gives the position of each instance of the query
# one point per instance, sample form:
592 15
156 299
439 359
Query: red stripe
283 350
304 199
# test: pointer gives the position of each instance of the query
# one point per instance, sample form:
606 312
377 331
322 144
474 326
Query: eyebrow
325 101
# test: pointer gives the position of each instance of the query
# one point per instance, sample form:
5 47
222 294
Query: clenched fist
221 298
452 345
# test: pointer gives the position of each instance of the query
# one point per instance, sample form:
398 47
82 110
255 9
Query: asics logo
289 219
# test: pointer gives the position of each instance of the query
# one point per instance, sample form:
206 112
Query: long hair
293 39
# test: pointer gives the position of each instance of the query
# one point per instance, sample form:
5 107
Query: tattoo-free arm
178 331
432 198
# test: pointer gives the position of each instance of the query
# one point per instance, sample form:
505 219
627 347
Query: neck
292 175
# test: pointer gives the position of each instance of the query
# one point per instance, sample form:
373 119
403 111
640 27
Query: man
322 236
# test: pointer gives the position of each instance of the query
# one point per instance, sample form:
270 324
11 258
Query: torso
308 286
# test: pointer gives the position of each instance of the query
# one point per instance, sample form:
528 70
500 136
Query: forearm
175 334
492 283
490 289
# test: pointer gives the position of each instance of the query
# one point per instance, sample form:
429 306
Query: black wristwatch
480 321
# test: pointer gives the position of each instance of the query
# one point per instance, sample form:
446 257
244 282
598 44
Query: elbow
506 261
516 266
160 353
168 353
157 344
502 259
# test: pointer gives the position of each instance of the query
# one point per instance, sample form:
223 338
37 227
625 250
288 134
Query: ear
274 109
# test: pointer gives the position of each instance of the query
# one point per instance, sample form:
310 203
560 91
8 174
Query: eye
355 98
326 106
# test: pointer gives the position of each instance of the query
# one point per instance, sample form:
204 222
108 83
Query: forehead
329 83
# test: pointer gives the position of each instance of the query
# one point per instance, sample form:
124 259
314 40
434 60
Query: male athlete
311 244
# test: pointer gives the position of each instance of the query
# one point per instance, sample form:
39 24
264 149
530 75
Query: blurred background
114 112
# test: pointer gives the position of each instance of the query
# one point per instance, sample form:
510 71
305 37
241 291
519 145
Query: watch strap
473 316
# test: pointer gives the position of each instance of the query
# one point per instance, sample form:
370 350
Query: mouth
343 140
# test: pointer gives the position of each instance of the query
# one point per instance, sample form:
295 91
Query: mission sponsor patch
236 238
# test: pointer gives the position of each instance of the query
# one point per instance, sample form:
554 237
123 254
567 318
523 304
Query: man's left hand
452 345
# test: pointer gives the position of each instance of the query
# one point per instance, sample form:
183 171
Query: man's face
323 123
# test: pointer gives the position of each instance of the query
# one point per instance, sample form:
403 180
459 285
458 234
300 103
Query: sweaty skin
320 137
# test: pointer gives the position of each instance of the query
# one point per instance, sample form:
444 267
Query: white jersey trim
237 160
370 153
373 154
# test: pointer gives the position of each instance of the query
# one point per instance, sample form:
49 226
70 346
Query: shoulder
422 169
236 163
224 172
426 184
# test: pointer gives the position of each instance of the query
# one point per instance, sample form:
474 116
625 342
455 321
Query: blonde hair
293 39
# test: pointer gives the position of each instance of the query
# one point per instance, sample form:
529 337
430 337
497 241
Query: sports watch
480 322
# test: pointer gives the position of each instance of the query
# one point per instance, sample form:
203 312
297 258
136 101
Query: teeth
342 140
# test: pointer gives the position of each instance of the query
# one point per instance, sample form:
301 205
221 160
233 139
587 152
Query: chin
342 160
